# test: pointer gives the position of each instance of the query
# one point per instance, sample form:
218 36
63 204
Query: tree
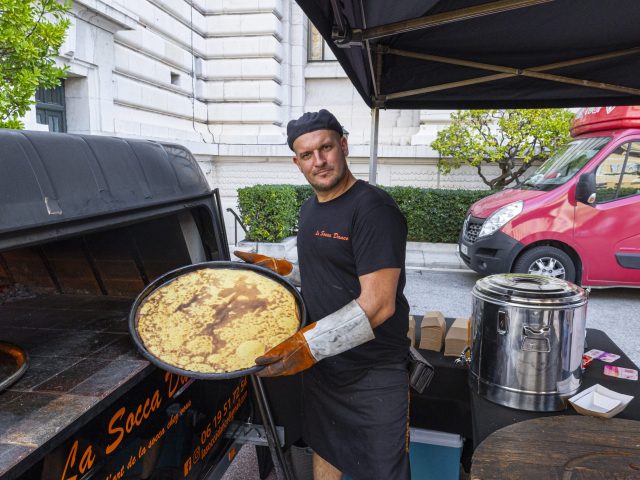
31 32
512 139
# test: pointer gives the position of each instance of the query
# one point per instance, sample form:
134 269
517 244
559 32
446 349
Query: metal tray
168 277
13 363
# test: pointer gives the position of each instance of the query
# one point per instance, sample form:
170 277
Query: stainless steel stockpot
527 340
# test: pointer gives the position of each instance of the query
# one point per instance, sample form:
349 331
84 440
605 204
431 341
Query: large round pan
172 275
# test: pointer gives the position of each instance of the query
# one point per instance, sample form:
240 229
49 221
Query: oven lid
50 178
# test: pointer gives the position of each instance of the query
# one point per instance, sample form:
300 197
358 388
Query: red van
577 217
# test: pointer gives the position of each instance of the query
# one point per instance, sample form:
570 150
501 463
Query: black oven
85 223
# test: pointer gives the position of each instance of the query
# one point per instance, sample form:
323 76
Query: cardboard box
457 337
432 330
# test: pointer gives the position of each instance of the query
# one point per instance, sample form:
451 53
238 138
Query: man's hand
279 265
290 357
342 330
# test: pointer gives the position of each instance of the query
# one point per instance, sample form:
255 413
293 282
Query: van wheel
548 261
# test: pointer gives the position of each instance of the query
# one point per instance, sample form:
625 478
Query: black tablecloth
487 417
445 405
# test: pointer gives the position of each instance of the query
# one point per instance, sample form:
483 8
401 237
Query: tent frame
344 37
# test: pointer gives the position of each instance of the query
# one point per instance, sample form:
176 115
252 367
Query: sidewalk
433 256
420 255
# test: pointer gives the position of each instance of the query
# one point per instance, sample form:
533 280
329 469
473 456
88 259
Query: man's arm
342 330
378 294
353 324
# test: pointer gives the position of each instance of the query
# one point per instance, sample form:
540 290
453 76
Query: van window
618 176
565 163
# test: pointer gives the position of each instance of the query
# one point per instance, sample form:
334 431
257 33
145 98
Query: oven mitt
337 332
279 265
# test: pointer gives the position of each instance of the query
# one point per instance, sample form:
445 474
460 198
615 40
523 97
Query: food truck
577 217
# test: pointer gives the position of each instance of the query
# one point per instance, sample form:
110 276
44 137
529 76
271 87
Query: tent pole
373 145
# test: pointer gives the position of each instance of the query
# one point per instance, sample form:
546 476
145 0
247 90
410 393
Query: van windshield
565 163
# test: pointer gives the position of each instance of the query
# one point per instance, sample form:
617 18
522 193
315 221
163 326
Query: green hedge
434 215
270 212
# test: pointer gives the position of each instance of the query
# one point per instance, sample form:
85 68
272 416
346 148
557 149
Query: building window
318 51
50 108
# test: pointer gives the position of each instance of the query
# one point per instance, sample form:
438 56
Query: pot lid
530 290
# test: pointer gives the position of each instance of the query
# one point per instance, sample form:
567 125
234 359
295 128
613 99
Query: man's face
321 157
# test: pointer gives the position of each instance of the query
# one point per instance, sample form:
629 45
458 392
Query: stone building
223 77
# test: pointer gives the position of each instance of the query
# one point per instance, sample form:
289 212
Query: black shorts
361 428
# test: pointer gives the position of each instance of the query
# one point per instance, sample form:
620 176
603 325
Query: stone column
243 70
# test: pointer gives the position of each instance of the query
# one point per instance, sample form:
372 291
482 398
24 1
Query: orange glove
291 356
278 265
340 331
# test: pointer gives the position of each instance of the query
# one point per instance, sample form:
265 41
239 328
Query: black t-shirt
357 233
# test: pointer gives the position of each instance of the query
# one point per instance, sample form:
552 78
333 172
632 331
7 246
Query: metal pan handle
527 331
503 322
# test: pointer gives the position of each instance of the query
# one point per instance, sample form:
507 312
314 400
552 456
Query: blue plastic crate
434 455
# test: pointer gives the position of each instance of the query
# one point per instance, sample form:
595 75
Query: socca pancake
216 320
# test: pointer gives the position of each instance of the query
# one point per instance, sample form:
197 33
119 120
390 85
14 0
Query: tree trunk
508 174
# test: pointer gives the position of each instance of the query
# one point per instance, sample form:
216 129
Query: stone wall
223 77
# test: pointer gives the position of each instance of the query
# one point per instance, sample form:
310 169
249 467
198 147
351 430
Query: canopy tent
437 54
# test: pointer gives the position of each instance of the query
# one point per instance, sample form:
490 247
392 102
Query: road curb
419 255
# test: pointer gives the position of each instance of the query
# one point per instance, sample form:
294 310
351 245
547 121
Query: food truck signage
165 424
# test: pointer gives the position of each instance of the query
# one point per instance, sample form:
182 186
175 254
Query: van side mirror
586 188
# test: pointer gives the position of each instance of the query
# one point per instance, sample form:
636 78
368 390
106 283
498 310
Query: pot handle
503 322
535 340
542 331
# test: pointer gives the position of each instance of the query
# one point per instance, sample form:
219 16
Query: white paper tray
598 401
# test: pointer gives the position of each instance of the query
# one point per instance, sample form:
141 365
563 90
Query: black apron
362 427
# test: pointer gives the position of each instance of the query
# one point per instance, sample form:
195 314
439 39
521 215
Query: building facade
223 77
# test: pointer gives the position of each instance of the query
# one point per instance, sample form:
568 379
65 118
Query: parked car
577 217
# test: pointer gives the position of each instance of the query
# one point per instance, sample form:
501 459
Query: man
351 252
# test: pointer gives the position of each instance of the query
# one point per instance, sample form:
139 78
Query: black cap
310 122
